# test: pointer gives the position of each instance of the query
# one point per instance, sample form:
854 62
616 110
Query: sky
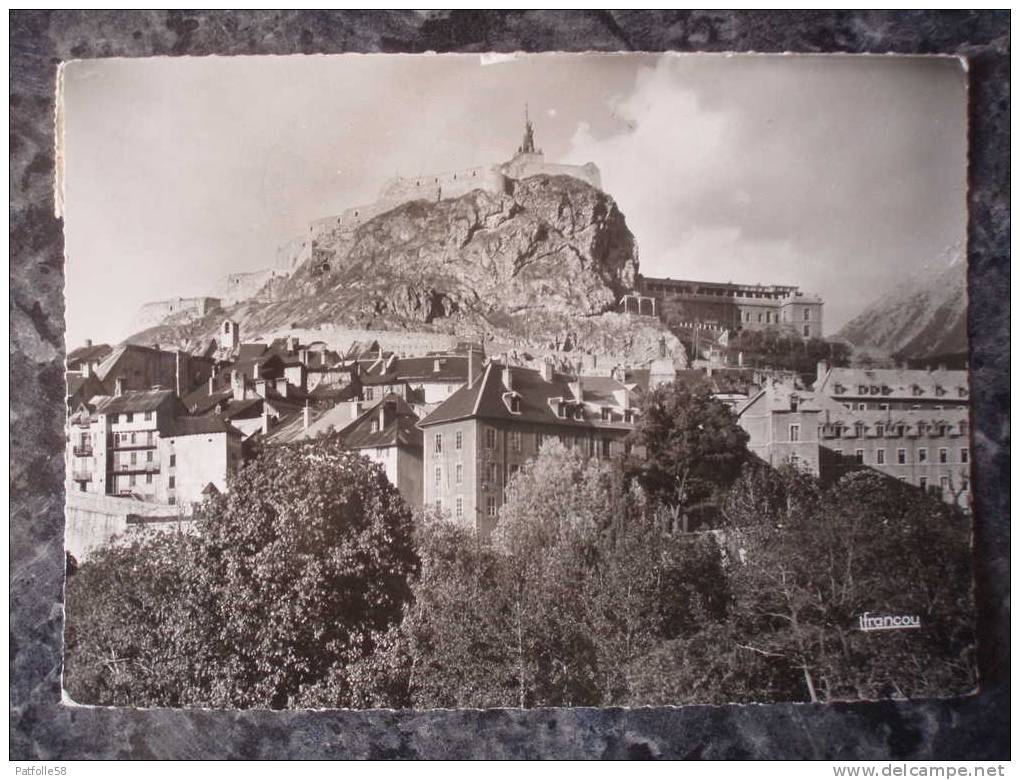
842 175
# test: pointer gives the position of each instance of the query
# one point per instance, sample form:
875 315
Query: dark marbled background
975 727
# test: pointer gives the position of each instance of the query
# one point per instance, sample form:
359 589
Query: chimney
292 343
547 370
260 388
256 371
304 356
306 415
265 419
822 370
237 385
740 359
508 377
576 388
471 369
86 368
118 386
281 386
662 346
212 384
88 342
179 379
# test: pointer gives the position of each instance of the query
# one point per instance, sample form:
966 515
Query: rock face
924 318
542 263
552 243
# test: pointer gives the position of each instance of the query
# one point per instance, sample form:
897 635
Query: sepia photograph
439 381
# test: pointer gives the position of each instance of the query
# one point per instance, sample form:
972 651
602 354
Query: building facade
683 303
479 438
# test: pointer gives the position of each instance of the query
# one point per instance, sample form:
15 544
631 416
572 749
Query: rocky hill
924 318
542 264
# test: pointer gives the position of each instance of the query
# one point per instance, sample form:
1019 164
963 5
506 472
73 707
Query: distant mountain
924 319
541 263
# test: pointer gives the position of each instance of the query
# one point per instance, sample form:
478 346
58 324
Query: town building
909 425
479 437
142 444
136 367
724 305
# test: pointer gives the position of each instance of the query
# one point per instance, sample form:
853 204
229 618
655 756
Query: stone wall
154 312
96 521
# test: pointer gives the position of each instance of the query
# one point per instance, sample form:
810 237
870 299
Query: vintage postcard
473 381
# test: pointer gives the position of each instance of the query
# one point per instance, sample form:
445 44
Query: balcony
81 476
149 467
124 445
82 450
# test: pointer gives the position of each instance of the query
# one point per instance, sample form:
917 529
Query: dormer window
435 366
606 414
579 412
513 402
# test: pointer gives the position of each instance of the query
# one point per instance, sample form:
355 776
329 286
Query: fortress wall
238 287
438 186
154 312
588 173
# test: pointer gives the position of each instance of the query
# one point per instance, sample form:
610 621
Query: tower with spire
528 144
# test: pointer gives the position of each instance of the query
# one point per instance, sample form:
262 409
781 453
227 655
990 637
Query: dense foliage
286 579
785 350
311 585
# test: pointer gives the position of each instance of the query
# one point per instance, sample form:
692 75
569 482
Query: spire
528 144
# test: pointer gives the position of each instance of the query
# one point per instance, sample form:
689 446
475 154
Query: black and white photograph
444 381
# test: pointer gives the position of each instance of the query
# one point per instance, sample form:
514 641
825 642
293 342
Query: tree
815 560
693 446
293 574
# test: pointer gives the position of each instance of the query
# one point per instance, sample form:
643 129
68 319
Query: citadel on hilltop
529 160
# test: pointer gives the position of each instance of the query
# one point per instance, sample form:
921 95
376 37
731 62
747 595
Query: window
131 480
148 456
607 447
439 442
375 426
490 506
515 441
807 330
807 315
171 500
369 392
922 455
148 479
859 456
880 457
492 474
133 441
171 482
459 511
539 440
515 404
965 484
514 468
148 416
964 455
794 433
173 461
901 456
439 504
490 438
879 430
923 483
944 484
459 473
134 458
114 418
884 407
129 417
439 477
458 440
943 455
862 407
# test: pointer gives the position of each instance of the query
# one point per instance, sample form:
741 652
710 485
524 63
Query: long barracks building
683 302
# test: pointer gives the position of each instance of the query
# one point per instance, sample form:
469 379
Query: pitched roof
204 424
894 381
135 401
486 399
89 354
400 430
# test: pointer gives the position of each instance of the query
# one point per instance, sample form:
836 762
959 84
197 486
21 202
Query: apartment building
477 440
